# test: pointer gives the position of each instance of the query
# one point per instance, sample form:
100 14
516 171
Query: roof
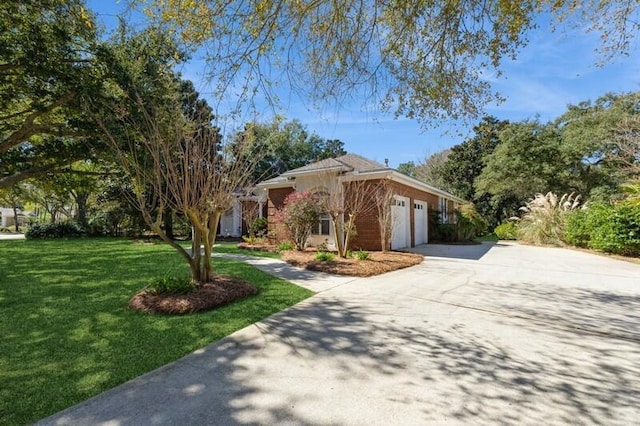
345 163
355 166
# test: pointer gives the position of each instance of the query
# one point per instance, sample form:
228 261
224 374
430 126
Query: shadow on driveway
455 251
326 361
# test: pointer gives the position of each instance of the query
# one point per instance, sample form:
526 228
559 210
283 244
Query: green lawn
232 248
67 334
488 237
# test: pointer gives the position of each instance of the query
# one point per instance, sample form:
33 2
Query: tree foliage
300 213
418 58
47 69
285 146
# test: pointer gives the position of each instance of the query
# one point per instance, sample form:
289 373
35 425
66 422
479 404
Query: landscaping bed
223 290
376 263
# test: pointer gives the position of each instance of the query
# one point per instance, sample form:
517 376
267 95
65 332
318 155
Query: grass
488 237
232 248
67 333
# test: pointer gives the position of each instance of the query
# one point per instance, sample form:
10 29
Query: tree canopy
46 70
285 145
417 58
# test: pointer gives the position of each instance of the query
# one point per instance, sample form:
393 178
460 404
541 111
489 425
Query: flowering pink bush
300 213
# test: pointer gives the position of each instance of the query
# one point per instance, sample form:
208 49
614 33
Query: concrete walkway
496 334
11 236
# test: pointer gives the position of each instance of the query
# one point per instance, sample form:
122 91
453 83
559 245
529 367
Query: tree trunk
168 224
338 230
81 213
15 218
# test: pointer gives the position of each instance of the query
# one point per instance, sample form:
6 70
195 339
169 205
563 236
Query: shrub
171 285
53 230
444 232
300 214
543 221
284 246
254 240
259 227
577 228
615 229
470 223
507 231
362 254
323 256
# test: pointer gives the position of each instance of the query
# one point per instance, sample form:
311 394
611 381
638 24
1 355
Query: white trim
403 179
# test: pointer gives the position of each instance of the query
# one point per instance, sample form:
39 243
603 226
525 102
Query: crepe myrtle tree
176 165
344 201
383 196
300 214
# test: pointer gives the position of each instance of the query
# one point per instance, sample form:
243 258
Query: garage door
420 218
400 232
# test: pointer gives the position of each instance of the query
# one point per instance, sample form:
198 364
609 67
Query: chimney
386 162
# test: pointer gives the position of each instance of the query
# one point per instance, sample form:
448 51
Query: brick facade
367 225
277 231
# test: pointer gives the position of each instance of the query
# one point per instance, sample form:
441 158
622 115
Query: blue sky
554 70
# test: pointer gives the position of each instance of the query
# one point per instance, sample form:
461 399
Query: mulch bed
224 289
258 247
377 263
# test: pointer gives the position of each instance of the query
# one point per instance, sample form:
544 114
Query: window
323 225
444 210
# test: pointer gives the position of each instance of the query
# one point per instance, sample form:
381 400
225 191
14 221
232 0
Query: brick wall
368 229
275 200
368 237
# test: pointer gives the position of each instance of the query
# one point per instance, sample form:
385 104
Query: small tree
250 212
177 163
344 202
300 213
383 196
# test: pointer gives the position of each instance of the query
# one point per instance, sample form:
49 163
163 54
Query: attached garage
401 229
420 218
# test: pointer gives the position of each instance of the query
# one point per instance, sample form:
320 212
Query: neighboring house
7 218
232 223
413 200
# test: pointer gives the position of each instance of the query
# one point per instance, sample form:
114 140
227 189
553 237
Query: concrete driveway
490 334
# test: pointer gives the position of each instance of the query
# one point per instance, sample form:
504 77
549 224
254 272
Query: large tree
286 145
595 142
465 163
46 70
526 161
416 58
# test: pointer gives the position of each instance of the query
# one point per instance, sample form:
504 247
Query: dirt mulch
377 263
223 290
258 247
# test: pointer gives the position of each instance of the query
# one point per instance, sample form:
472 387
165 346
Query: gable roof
353 165
344 163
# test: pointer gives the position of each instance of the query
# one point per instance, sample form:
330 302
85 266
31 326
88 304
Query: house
412 201
7 218
233 221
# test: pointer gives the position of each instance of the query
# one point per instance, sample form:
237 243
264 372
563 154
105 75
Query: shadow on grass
67 333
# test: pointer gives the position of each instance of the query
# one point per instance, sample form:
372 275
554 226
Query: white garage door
400 232
420 220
